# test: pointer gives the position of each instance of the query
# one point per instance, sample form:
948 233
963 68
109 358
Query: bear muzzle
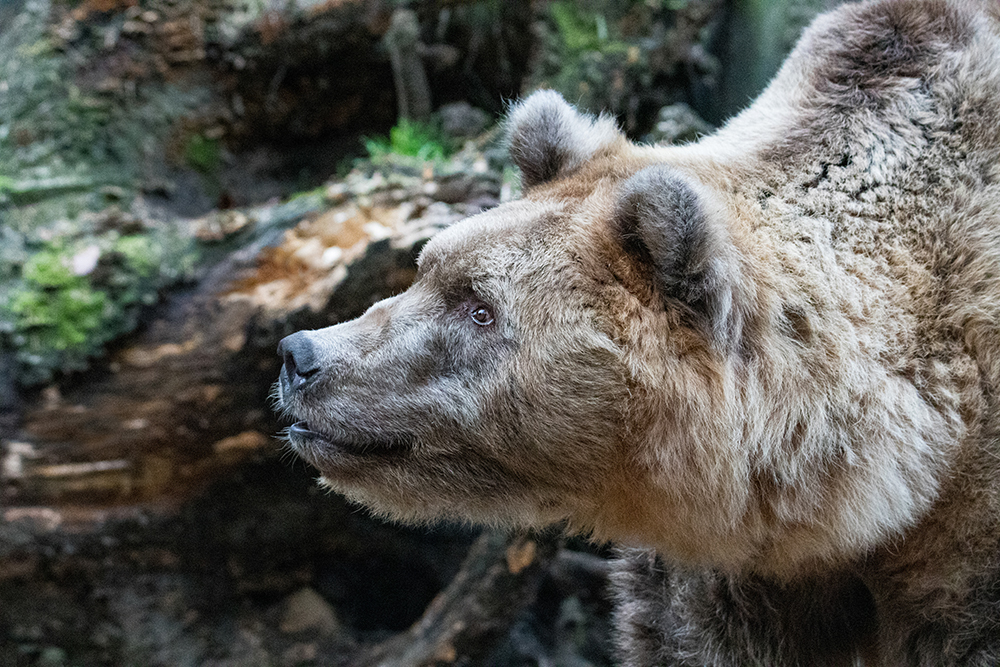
318 439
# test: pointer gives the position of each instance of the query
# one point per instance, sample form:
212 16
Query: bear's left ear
550 139
670 222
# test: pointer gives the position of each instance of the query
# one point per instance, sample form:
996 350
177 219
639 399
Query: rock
461 120
298 654
307 610
51 657
677 124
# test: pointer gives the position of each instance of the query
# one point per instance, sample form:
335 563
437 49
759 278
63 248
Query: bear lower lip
302 430
301 433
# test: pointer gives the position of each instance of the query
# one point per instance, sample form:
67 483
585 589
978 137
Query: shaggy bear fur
767 364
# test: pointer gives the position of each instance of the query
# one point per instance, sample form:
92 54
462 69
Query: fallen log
145 505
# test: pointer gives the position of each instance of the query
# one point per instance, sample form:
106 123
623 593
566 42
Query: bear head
511 383
618 352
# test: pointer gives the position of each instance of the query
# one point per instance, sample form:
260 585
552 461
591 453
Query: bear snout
301 363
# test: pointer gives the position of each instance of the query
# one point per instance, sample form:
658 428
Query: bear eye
481 315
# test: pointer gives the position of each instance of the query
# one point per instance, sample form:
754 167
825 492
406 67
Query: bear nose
301 363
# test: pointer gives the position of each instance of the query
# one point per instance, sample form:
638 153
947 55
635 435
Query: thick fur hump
664 219
549 139
877 50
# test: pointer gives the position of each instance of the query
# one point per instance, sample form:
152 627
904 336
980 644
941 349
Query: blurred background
184 182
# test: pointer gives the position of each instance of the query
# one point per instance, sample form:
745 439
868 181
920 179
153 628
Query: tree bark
402 41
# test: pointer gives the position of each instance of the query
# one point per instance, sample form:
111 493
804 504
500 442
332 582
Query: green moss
62 143
47 269
56 312
202 154
140 254
64 320
73 296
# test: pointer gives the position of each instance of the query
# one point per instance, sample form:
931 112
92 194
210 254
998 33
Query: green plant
586 56
579 30
409 139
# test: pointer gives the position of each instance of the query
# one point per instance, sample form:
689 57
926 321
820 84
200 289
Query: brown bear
767 363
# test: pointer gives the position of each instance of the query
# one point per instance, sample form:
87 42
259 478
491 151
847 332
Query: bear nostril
300 360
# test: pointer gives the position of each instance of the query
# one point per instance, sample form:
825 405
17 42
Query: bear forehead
570 216
496 242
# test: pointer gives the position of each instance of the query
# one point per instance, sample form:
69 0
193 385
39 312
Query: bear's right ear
669 222
549 139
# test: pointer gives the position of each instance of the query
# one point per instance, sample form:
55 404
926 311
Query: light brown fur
772 357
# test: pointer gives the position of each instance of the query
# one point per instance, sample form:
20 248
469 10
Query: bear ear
669 222
548 138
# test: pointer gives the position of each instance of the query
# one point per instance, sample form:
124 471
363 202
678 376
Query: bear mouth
310 442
